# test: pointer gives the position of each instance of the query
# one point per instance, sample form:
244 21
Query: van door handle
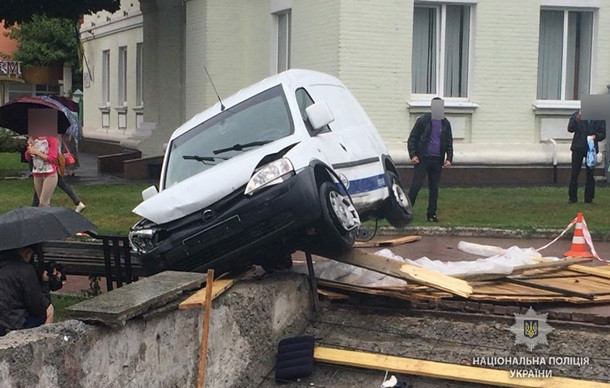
342 146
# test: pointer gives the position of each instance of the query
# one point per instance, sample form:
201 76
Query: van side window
304 100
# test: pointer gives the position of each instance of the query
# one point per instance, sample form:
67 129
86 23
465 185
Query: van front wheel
398 209
335 228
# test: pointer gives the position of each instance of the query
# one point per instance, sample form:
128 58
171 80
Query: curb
467 231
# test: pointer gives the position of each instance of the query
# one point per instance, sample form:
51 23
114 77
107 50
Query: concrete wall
246 324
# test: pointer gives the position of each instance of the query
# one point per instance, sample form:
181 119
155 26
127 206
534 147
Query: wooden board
408 272
386 243
601 271
441 370
332 295
198 298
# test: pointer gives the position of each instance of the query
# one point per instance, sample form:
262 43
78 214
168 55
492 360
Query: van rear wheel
335 229
398 210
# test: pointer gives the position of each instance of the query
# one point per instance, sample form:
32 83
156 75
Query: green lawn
514 208
11 162
109 206
63 301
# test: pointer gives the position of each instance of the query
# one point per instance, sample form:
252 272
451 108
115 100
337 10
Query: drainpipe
554 144
607 156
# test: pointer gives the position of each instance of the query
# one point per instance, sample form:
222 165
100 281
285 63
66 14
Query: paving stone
512 310
579 317
600 320
471 307
487 308
500 310
452 305
117 306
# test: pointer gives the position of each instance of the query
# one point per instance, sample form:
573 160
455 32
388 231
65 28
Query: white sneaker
80 207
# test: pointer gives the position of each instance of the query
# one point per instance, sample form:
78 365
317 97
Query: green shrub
9 142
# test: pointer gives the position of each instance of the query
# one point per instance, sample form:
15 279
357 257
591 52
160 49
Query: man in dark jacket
23 302
430 146
582 129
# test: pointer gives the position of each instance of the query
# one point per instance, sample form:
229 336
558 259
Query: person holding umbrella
43 148
24 300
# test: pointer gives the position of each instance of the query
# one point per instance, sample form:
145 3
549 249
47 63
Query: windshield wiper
203 159
240 147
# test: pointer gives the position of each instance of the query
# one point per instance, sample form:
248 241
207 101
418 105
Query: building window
139 98
283 40
441 45
106 77
564 54
122 75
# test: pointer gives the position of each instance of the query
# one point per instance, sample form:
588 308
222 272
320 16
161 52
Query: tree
46 41
20 11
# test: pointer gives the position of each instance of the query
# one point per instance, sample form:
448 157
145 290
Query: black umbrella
30 225
14 114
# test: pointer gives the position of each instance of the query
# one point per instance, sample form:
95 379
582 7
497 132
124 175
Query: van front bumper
269 221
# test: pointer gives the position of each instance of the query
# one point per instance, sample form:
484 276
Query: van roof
292 78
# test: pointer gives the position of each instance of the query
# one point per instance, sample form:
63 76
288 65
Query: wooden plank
332 295
408 272
553 265
389 292
442 370
387 243
601 271
560 290
209 286
198 299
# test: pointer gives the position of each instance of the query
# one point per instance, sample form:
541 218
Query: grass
10 162
514 208
108 206
63 301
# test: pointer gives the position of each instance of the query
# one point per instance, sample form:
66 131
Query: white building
511 72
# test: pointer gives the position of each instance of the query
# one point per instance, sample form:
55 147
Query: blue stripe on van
363 185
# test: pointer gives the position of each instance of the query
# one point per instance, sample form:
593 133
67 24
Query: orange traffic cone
579 246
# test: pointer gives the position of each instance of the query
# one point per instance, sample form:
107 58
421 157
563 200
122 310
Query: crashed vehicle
292 162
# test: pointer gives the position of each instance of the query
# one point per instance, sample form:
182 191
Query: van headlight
270 174
143 240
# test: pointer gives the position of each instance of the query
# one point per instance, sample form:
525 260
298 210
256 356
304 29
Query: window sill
555 107
138 109
104 109
121 109
451 106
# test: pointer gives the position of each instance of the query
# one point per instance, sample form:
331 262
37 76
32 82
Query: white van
292 162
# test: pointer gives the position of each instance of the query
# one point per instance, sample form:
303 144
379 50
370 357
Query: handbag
67 155
61 164
591 154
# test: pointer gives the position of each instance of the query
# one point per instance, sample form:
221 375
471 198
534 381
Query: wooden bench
107 256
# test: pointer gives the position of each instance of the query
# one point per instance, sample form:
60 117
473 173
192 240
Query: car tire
398 210
332 235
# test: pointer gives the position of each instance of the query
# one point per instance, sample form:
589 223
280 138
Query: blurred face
42 122
438 109
595 107
26 254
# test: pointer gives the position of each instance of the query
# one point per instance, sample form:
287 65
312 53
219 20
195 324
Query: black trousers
577 159
432 167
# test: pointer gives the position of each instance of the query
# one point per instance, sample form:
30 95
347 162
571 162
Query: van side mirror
149 193
319 115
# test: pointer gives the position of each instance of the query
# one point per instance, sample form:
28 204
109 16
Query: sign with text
10 68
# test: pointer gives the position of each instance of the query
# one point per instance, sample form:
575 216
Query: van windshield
257 121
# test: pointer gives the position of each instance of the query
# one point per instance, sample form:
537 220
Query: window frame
564 54
105 77
122 76
276 46
441 25
139 74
